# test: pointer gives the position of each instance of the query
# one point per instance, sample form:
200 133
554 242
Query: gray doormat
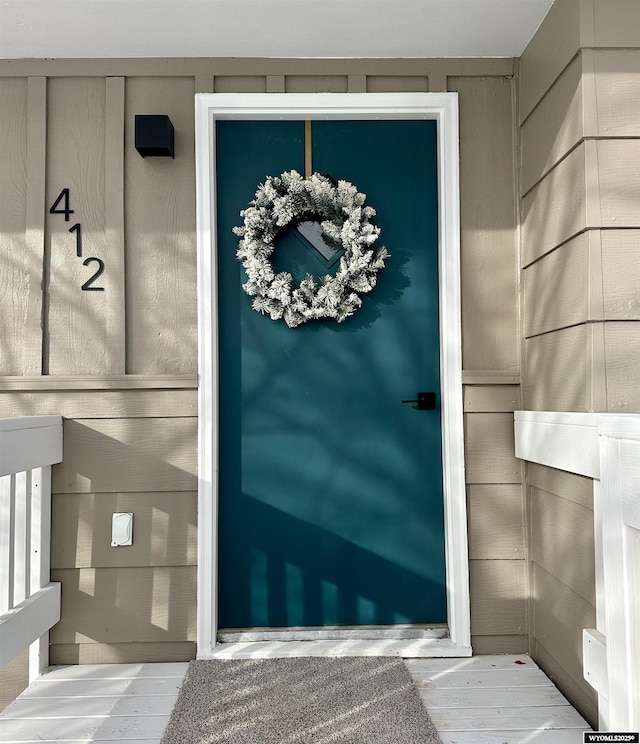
359 700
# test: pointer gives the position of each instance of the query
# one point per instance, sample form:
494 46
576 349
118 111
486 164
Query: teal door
330 488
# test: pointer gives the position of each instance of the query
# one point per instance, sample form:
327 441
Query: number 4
66 209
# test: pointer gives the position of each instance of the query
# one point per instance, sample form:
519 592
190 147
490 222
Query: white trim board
565 441
569 441
441 107
592 445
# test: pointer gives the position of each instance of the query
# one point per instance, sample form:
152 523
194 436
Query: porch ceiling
268 28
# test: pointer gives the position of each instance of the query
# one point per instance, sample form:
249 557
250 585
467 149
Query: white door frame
443 108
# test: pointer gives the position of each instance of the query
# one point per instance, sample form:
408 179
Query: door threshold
406 649
333 633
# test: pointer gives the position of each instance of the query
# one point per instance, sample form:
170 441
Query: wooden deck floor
481 700
495 700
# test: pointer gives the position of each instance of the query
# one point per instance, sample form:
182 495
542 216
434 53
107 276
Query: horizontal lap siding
557 371
127 604
620 274
557 289
548 53
554 211
489 449
554 127
580 288
557 341
562 565
558 614
622 354
106 404
496 524
574 488
127 455
561 529
615 24
495 510
560 507
14 679
581 222
617 91
165 529
133 448
499 598
126 450
580 202
123 653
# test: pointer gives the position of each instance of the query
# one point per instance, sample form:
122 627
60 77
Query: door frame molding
441 107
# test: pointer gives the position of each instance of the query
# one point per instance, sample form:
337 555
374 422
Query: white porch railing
29 602
605 448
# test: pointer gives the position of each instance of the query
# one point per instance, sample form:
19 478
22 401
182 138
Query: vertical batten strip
35 362
357 84
204 83
437 83
114 222
275 84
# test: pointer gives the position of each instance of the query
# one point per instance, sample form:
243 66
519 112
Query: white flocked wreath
345 220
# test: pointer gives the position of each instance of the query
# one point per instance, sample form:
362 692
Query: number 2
88 285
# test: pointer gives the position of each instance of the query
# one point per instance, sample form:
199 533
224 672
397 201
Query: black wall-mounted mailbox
154 135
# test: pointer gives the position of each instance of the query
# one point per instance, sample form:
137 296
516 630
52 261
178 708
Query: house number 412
62 205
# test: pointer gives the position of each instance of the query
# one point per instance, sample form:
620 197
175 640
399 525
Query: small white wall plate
121 529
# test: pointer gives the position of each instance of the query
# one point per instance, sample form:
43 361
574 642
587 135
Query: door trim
441 107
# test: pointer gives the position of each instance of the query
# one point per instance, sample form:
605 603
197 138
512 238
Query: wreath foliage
345 220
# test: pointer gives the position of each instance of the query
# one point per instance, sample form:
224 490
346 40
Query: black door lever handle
425 401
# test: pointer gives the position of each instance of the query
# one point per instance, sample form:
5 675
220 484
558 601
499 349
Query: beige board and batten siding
580 204
160 234
22 151
122 361
490 341
77 333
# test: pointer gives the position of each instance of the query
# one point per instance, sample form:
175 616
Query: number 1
77 229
